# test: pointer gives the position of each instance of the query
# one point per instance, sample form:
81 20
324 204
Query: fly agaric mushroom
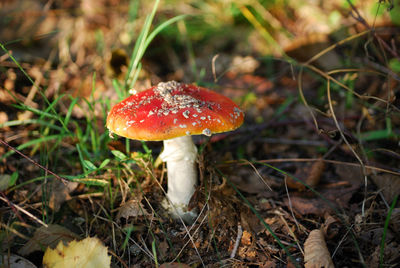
172 112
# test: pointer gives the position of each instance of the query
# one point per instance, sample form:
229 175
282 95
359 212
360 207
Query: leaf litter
131 224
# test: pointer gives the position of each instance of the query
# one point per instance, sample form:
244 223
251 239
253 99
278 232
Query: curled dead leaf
331 227
316 254
59 193
132 208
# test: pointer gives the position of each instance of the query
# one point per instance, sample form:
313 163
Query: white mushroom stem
181 155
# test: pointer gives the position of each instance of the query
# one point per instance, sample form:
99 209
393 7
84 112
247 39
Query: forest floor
319 149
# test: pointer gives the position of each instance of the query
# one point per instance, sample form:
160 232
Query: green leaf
104 163
14 178
34 142
89 165
119 155
395 65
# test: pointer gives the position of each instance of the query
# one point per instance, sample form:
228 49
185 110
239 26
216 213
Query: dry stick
327 76
300 86
257 173
341 42
214 59
394 48
23 211
294 217
64 180
291 233
12 207
8 228
118 258
342 240
364 171
382 69
362 20
237 242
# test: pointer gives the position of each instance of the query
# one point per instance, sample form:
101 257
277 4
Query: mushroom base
180 154
180 212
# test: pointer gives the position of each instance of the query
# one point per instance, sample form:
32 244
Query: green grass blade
82 160
161 27
14 123
34 142
139 48
69 112
36 111
117 87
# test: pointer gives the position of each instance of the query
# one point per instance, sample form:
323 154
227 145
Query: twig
12 230
23 211
364 170
237 242
118 258
214 59
293 216
64 180
382 69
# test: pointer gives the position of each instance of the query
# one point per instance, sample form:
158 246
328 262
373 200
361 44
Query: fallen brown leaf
316 254
331 228
132 208
47 237
59 193
350 173
389 184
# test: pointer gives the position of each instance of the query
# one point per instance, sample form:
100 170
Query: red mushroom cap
171 110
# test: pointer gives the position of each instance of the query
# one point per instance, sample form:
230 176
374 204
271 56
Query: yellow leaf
87 253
